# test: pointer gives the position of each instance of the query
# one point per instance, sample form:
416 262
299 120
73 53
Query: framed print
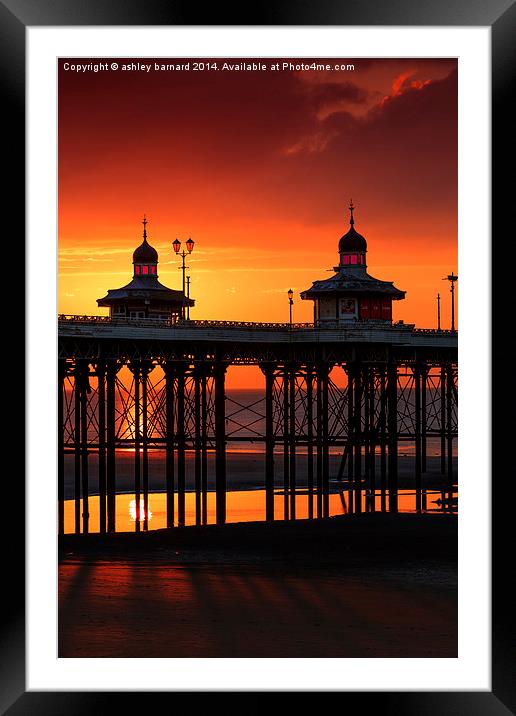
259 238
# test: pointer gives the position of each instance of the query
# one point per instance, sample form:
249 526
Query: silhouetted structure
352 294
145 297
400 384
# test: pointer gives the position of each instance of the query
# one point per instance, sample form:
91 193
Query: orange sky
259 167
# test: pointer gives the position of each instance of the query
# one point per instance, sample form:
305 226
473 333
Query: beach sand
371 585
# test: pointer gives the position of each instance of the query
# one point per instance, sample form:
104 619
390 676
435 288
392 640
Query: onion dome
352 241
145 253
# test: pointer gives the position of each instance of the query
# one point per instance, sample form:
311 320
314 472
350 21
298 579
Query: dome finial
144 222
351 207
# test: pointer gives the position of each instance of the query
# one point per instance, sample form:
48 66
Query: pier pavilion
144 296
352 294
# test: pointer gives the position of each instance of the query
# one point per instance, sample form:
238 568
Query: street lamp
452 278
290 294
176 245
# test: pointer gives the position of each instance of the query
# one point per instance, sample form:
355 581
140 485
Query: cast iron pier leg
269 443
84 448
292 441
285 446
325 442
351 438
417 389
443 420
145 452
220 442
310 441
358 437
101 378
77 444
137 467
392 408
197 473
449 397
204 445
181 446
110 447
60 433
383 440
169 444
319 445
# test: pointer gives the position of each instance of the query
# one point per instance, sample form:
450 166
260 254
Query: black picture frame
500 16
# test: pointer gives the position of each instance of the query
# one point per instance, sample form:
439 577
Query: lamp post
188 297
176 245
290 294
438 312
452 278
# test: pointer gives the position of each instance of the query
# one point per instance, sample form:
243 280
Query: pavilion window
145 269
137 270
364 308
354 259
346 259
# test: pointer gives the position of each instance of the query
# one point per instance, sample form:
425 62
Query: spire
351 208
144 222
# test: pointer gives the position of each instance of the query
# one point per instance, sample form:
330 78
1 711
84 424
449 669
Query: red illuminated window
386 309
346 259
136 269
354 259
145 269
153 269
361 259
364 308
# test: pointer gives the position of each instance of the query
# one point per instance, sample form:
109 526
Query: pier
396 383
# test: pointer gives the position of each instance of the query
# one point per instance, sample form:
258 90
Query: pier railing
258 325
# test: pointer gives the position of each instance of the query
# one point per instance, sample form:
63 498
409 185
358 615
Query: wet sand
374 585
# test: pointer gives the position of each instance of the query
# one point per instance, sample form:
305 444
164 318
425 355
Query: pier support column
449 430
219 373
292 440
146 368
371 439
61 373
136 370
181 444
169 441
443 420
417 433
77 445
383 438
310 440
204 444
83 390
392 419
424 383
366 434
323 463
101 392
286 466
197 442
268 371
358 376
111 371
350 438
319 444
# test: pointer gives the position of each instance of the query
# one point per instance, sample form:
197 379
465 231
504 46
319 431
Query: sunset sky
258 168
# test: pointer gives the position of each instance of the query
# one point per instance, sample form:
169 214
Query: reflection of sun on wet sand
370 585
